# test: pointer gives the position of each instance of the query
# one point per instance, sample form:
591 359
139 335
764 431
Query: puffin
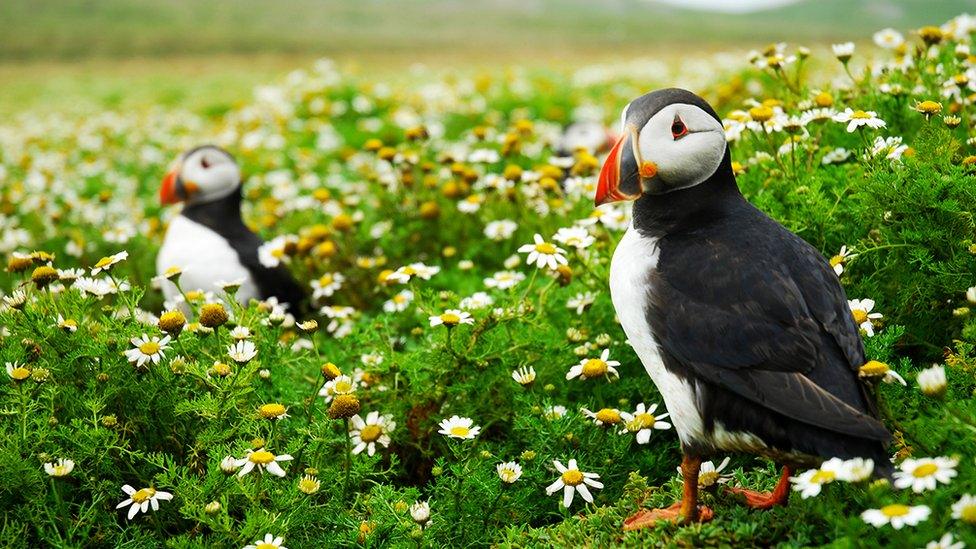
209 239
742 326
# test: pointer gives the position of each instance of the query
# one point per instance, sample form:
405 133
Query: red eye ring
678 128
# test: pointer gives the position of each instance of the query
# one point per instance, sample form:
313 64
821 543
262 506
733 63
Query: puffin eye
204 163
678 128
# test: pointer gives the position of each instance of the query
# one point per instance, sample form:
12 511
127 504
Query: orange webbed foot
759 500
646 518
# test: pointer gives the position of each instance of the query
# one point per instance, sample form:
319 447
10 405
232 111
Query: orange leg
768 500
685 511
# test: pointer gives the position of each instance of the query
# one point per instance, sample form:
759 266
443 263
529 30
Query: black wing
762 315
271 281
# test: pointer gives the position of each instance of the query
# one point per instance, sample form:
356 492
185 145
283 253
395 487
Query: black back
223 216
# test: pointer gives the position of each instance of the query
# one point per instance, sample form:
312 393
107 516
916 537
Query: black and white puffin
741 325
209 240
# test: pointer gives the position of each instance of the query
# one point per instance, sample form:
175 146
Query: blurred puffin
209 239
741 325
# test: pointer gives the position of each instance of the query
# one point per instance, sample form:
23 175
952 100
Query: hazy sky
728 6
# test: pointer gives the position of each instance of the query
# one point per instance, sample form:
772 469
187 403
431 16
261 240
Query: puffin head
202 174
671 139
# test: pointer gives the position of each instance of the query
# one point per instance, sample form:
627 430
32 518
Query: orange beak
620 178
167 192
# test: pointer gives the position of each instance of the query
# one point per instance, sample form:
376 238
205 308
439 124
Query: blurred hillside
75 29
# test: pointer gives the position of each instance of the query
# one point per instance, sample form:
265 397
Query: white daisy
897 515
477 300
888 39
709 475
856 119
925 473
543 254
863 317
147 349
342 385
643 422
242 352
61 468
240 332
604 417
553 413
375 429
590 368
326 285
842 257
419 270
843 51
932 381
811 482
270 542
509 471
577 237
502 229
459 427
399 302
106 263
451 318
572 480
945 542
420 512
581 301
141 500
504 280
263 460
524 375
965 509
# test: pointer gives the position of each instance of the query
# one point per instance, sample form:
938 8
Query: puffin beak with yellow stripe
660 151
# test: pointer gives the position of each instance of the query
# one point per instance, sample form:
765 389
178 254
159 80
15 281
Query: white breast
634 259
206 258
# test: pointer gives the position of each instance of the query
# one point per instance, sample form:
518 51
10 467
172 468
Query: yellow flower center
450 319
342 387
371 433
595 367
823 477
172 271
644 421
103 262
859 114
761 113
271 410
194 295
545 248
860 316
929 107
895 510
60 470
143 495
707 479
263 545
836 260
572 477
409 271
924 470
874 368
261 457
325 280
968 514
507 473
460 431
20 373
399 299
608 415
149 348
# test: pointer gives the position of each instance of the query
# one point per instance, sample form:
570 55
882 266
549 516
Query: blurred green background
119 53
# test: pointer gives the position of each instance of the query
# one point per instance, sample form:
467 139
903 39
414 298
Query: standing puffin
741 325
209 239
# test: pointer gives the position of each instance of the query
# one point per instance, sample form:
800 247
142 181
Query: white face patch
212 171
690 159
